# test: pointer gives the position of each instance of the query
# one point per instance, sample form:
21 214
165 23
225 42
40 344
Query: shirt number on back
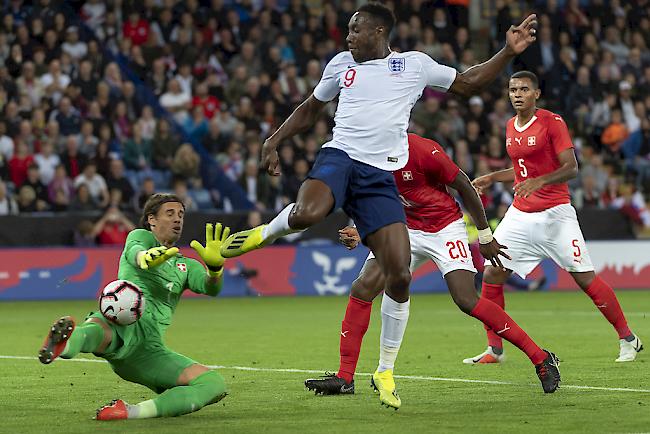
349 77
523 172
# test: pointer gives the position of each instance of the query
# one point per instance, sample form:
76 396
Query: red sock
354 326
497 319
494 293
604 298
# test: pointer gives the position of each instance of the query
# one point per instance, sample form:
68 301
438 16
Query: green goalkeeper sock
86 338
205 389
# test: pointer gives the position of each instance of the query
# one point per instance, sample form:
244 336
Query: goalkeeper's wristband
214 271
485 236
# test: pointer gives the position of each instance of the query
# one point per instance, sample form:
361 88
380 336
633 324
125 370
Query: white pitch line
366 374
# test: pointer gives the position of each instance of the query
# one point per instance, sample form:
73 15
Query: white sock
279 226
394 318
143 410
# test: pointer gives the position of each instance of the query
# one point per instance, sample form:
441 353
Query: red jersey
534 149
422 185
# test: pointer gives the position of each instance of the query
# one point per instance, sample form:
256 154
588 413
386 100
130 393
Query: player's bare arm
302 118
489 249
518 38
567 171
483 182
349 237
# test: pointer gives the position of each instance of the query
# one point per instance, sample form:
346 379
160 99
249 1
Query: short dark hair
527 74
380 13
153 204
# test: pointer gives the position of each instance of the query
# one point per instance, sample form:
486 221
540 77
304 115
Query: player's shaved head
380 15
527 75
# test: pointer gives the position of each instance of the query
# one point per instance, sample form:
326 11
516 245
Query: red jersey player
437 232
541 223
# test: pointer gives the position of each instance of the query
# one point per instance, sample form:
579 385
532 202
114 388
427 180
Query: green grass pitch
303 334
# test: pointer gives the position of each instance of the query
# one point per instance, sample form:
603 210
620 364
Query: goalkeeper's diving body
137 352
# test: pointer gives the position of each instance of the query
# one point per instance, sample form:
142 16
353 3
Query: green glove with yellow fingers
211 253
155 256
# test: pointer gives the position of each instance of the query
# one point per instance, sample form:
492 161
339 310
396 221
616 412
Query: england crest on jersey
396 64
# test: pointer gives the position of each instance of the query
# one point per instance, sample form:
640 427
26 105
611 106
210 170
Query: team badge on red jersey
531 140
182 267
407 175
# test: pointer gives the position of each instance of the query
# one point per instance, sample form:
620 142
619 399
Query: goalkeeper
137 352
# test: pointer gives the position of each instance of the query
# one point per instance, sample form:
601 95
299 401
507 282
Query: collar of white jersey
378 60
524 127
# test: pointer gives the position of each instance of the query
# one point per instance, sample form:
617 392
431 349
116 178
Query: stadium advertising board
71 273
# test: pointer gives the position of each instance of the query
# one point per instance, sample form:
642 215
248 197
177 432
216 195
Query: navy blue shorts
367 194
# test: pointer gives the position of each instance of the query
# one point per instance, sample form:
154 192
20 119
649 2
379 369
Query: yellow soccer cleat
384 383
242 242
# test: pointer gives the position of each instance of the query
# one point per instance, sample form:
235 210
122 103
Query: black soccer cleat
330 384
549 373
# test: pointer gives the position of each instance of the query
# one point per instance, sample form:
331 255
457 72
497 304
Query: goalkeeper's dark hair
381 14
153 204
529 75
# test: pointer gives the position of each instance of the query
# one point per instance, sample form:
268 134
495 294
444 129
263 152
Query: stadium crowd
77 135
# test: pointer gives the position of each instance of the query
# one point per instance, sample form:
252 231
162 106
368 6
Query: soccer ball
122 302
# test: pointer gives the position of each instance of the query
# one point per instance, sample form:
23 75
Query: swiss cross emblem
508 141
407 175
182 267
531 141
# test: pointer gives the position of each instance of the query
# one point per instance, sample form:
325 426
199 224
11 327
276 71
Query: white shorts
448 248
533 236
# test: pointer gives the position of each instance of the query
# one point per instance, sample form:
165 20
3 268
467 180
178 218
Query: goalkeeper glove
155 256
211 253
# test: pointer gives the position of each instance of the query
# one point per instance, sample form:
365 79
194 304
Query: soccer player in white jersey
541 223
377 89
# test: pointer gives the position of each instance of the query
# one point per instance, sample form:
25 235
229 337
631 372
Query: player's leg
323 192
66 340
186 386
604 298
461 288
516 232
568 249
354 326
391 247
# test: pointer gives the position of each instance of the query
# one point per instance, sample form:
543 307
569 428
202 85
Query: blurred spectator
19 163
8 205
164 146
615 133
137 151
113 228
27 201
73 46
196 126
214 140
83 201
60 191
176 101
72 159
95 182
147 189
47 161
67 117
84 235
186 162
117 180
55 82
179 187
147 123
294 181
40 190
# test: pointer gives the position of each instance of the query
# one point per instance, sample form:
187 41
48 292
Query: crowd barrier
72 273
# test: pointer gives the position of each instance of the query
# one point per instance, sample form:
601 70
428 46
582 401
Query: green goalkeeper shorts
137 354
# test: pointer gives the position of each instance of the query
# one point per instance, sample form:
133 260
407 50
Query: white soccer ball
122 302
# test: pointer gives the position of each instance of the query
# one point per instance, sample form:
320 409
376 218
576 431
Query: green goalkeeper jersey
164 284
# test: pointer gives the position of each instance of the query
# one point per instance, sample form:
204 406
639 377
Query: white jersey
375 104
